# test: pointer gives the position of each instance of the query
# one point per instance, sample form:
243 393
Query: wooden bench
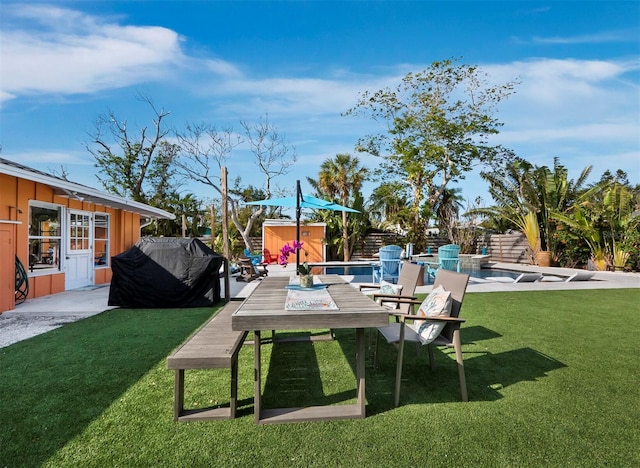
214 346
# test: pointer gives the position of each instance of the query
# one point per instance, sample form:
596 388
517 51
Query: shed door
79 258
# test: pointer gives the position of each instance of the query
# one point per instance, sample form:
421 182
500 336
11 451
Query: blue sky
64 63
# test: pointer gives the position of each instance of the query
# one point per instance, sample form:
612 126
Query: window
79 233
44 237
101 240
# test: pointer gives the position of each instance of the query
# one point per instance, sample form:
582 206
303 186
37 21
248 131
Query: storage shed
278 232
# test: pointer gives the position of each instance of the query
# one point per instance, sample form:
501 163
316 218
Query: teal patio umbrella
302 201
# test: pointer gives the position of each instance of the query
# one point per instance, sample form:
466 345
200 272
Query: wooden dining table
264 309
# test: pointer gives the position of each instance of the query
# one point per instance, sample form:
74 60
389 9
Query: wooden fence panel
508 248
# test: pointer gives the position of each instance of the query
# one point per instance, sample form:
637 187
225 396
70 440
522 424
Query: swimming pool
349 270
368 271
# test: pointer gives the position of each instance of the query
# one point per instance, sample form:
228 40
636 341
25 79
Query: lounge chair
441 327
523 278
528 278
580 277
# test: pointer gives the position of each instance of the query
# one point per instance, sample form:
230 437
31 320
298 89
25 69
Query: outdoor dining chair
389 265
437 323
409 277
402 293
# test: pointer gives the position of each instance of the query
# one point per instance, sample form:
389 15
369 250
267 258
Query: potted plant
306 278
304 270
528 224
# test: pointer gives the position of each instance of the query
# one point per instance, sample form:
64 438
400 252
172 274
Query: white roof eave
84 193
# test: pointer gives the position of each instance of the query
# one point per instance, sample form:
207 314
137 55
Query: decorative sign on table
314 298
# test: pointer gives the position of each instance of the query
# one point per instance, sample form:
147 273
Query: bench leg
233 402
178 391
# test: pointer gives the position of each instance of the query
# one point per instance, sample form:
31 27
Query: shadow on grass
477 333
54 385
293 378
486 373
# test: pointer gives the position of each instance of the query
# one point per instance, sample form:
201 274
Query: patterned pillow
437 303
390 288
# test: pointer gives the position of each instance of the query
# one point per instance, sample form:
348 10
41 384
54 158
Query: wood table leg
178 392
360 379
257 378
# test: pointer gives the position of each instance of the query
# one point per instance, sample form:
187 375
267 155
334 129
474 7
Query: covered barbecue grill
166 272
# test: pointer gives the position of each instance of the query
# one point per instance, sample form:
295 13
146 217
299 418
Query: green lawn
553 380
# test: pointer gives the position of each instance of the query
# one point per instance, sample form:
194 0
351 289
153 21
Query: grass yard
553 380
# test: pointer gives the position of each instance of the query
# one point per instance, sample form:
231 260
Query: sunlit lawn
553 380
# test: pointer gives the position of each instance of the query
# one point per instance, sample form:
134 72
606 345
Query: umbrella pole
298 197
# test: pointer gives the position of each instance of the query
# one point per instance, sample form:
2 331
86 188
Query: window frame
106 240
57 255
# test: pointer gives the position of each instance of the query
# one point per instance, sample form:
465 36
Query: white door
79 257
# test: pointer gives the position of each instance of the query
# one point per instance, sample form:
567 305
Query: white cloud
55 50
597 38
53 158
586 102
222 68
554 81
591 132
245 95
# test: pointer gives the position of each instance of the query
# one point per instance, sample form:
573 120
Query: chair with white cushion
399 296
396 295
437 323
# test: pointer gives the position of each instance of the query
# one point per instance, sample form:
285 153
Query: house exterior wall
15 195
7 280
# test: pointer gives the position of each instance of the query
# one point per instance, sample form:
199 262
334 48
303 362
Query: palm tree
512 192
447 209
604 218
523 188
341 178
555 194
388 204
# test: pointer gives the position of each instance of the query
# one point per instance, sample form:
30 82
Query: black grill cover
165 272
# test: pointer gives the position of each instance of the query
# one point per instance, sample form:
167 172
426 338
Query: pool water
356 270
368 271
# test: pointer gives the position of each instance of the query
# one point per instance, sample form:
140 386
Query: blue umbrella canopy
306 201
302 201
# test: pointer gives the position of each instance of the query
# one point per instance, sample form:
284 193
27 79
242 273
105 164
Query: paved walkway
36 316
